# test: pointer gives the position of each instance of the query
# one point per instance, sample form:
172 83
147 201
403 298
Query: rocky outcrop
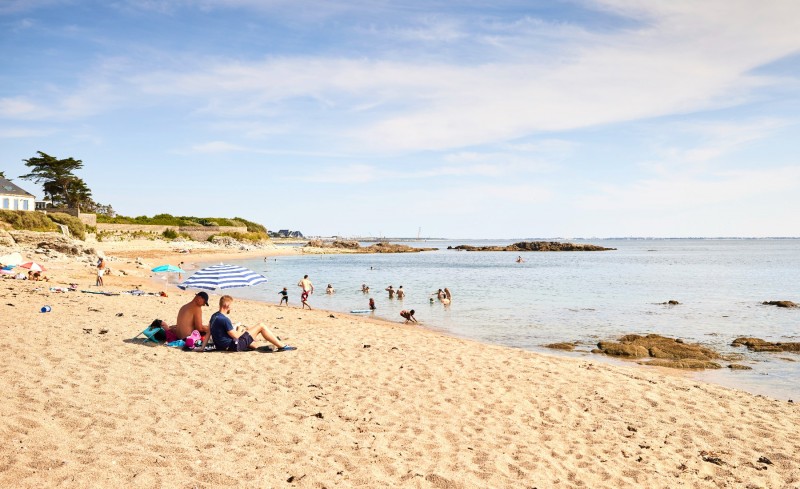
534 246
788 304
561 346
664 352
689 364
355 247
759 345
394 248
49 242
6 239
346 244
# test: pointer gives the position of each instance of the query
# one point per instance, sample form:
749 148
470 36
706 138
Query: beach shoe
286 348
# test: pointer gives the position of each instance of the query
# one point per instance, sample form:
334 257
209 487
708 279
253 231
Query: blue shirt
220 325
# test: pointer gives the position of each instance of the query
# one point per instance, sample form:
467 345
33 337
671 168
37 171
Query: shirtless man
401 293
308 288
190 317
390 290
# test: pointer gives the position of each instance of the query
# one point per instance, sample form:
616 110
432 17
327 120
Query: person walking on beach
401 293
408 316
390 290
284 297
228 338
308 288
101 270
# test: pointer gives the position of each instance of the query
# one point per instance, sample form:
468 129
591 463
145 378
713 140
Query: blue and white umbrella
222 277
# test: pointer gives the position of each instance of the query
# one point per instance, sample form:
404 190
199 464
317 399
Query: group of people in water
190 328
307 288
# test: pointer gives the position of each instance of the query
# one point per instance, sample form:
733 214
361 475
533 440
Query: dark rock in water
671 303
689 363
667 352
736 366
561 346
789 304
759 345
534 246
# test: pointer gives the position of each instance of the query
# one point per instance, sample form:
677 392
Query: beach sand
361 403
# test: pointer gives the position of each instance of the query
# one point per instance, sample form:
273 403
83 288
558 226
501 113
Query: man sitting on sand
190 318
228 338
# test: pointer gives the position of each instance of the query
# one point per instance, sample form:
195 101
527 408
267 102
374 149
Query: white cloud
691 192
216 147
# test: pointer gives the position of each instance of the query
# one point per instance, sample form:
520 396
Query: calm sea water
578 296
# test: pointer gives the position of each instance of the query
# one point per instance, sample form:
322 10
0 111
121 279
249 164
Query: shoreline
362 402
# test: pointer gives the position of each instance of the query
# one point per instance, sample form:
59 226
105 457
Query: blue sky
473 119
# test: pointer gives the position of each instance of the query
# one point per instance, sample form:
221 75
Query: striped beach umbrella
33 266
222 277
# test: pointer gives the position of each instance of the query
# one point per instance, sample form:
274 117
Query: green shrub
27 220
252 237
252 227
169 233
76 227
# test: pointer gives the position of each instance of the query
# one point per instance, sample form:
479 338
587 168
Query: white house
13 198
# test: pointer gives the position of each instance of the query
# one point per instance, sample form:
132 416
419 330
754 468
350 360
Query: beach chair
149 334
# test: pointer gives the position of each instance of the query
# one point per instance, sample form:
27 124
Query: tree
2 174
58 181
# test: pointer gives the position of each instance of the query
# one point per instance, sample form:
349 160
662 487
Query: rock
394 248
622 349
5 238
352 245
561 346
759 345
689 364
671 303
534 246
788 304
666 352
48 241
736 366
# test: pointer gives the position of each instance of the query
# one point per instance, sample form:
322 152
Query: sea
581 297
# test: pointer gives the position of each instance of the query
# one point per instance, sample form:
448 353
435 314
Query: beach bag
194 339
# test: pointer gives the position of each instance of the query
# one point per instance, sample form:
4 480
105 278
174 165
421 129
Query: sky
456 119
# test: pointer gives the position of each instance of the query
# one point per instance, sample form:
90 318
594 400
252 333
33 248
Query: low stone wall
88 219
197 233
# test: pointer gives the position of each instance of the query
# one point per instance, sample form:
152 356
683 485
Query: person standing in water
308 288
390 290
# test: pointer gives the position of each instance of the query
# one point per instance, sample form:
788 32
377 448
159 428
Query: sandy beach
361 403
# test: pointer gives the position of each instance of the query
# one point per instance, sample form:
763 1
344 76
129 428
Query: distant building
285 233
13 198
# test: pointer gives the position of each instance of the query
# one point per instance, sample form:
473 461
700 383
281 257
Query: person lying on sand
168 335
228 338
190 318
